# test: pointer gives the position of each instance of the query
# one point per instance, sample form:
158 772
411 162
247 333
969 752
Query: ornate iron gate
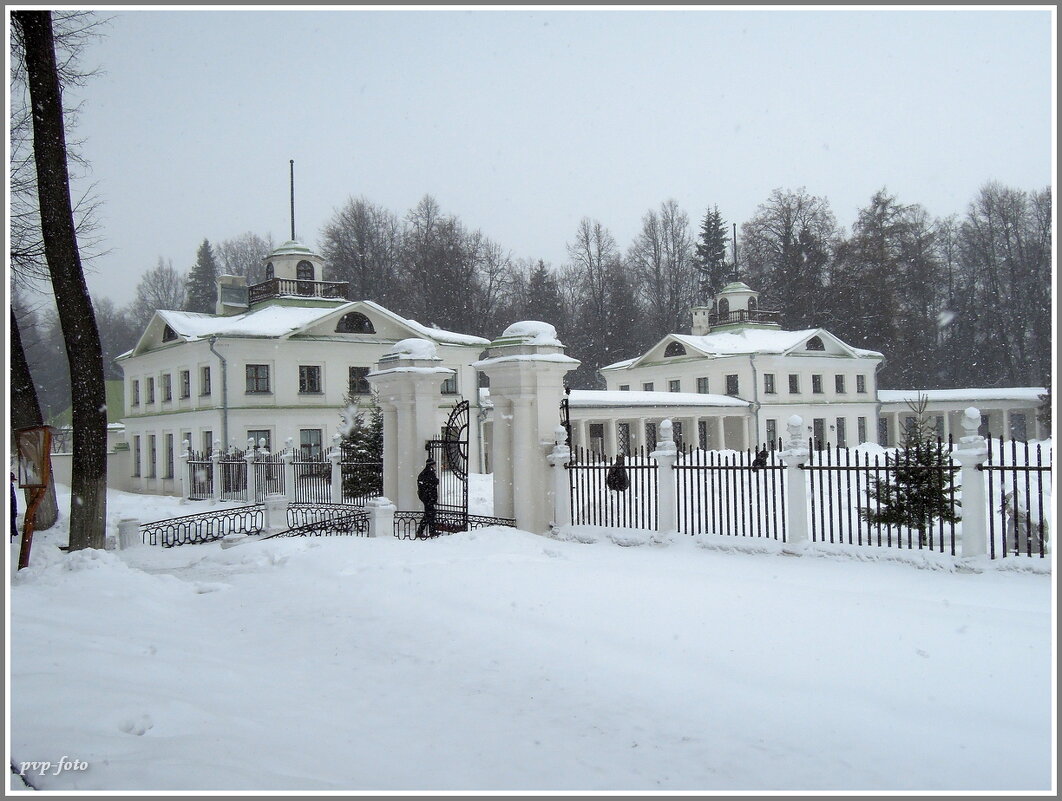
450 453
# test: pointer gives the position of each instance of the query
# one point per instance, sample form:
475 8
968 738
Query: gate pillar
408 381
526 366
796 493
971 453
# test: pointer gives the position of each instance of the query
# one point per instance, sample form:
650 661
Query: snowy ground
502 660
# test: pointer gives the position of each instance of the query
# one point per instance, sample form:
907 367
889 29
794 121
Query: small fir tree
1043 414
201 294
918 488
361 443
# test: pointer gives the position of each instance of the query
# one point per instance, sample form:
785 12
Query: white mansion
277 361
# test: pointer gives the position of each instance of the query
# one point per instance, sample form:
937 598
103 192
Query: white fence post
666 454
335 455
562 498
215 459
381 517
128 533
972 452
289 471
186 488
252 475
794 455
275 515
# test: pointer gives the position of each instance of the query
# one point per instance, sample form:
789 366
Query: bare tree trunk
25 412
88 503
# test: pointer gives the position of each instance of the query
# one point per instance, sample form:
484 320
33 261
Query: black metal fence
738 493
232 465
1018 513
630 503
200 476
360 479
345 521
850 493
313 478
407 524
270 474
204 527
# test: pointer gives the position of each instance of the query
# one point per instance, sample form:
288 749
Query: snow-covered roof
758 340
603 399
266 321
606 398
275 321
619 365
961 395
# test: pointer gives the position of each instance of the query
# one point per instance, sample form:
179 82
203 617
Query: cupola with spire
735 306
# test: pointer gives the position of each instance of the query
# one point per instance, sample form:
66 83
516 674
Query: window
861 383
449 386
151 390
816 384
152 456
702 434
168 334
208 442
257 378
186 383
136 456
842 433
309 379
674 386
674 349
861 430
168 473
838 382
772 434
768 383
818 428
269 272
1017 426
650 434
625 387
304 271
261 437
702 386
815 344
938 425
358 384
910 424
676 428
204 380
136 393
794 384
647 386
167 388
732 385
883 432
596 434
623 435
354 323
724 309
310 443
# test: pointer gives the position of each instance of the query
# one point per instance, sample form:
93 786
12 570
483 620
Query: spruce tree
710 258
918 487
361 442
201 294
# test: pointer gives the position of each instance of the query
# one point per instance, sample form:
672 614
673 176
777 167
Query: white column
794 455
252 474
502 457
562 498
720 433
289 471
215 459
335 455
973 451
185 484
666 492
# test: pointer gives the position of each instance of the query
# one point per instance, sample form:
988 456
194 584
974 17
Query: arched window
269 272
815 344
724 309
674 349
354 323
168 334
304 274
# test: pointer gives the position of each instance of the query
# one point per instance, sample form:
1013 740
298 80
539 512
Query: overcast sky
523 122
